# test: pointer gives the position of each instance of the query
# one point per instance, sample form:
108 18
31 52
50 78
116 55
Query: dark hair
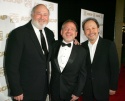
69 20
88 19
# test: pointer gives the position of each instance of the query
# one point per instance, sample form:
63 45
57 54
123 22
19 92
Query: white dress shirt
38 35
63 55
92 49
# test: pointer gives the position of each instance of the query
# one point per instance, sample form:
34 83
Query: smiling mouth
91 35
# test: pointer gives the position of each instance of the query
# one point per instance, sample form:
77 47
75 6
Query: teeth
91 35
68 35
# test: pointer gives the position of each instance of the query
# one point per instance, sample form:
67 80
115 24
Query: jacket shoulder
107 42
80 49
56 43
17 31
84 43
48 30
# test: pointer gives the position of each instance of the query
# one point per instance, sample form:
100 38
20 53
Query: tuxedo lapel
97 51
71 58
49 43
47 38
56 51
88 56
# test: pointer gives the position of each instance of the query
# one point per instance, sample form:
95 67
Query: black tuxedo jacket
104 69
72 79
25 63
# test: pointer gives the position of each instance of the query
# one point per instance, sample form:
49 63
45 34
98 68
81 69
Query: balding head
40 16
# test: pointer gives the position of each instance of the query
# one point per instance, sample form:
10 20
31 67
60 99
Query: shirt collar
69 42
95 41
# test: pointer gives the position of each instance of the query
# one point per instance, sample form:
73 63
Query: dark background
71 9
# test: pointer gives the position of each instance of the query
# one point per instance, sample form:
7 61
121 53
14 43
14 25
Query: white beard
37 25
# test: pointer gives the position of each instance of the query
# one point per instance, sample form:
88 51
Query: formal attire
27 66
102 70
68 71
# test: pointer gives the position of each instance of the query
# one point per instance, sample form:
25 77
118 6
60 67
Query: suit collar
56 51
34 38
71 57
87 48
97 51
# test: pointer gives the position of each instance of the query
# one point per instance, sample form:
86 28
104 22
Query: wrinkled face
40 17
69 32
91 31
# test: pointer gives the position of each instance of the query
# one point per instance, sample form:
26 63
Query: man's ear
98 29
76 34
61 32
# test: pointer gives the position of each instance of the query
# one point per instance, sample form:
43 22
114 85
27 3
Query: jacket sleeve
82 76
114 67
13 51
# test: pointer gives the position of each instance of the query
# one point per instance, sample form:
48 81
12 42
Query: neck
92 42
67 41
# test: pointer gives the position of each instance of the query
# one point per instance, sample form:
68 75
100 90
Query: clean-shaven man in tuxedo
27 58
68 66
102 64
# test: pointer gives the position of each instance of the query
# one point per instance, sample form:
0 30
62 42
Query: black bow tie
63 44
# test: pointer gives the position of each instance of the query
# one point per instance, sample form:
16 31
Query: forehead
90 23
41 8
69 24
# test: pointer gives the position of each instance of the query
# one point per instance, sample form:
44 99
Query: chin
38 25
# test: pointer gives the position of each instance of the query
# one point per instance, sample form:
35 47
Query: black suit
103 71
72 79
26 65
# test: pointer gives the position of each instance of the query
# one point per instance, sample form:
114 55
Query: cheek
46 18
86 33
36 17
